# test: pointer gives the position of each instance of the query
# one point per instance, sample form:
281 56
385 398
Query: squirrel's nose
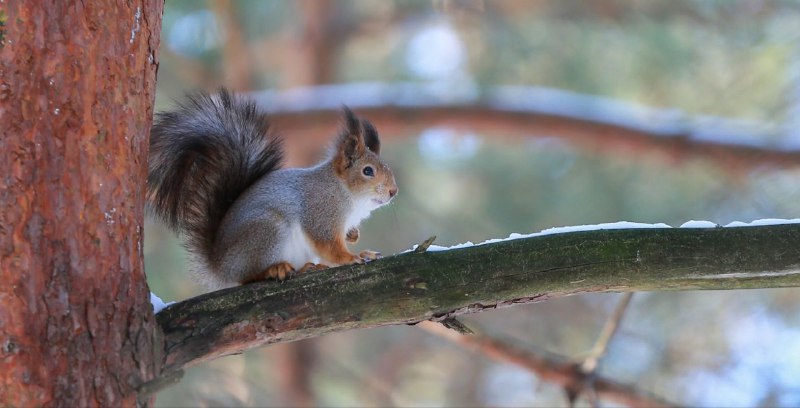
392 192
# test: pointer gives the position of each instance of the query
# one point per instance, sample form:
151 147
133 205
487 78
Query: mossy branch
414 287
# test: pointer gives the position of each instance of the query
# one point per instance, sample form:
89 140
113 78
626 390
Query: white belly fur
297 249
360 211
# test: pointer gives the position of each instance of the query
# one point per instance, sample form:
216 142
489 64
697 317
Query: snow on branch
614 226
436 285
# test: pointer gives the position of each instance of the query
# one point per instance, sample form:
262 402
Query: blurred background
517 116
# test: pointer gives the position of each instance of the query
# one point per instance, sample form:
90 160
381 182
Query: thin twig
592 360
600 348
454 324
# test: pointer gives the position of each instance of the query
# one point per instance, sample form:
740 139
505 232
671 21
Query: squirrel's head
357 162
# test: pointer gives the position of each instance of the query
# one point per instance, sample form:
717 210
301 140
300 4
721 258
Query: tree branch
413 287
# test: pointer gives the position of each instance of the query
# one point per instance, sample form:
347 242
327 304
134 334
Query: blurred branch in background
549 368
592 361
237 64
296 363
309 116
315 44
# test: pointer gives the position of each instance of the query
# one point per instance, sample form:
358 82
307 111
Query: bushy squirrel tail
203 156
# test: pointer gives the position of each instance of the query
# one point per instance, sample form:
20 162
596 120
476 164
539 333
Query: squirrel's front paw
357 260
368 255
352 235
310 266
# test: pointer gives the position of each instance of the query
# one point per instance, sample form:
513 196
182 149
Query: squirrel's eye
368 171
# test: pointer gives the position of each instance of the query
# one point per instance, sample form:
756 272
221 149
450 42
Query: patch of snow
435 248
762 222
699 224
158 304
604 226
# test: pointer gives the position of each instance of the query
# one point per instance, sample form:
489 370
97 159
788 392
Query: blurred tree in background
697 62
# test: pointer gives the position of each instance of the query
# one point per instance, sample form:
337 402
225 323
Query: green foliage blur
734 59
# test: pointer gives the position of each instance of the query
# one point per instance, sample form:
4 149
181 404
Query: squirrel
215 176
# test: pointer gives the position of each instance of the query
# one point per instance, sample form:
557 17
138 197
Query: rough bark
78 83
414 287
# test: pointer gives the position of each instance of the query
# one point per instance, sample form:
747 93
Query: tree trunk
77 90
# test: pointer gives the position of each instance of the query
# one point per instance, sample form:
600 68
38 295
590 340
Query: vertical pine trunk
77 83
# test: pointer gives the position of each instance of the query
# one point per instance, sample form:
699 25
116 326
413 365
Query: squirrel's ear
351 122
350 145
371 137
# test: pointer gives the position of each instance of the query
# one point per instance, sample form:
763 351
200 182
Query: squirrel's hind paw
279 271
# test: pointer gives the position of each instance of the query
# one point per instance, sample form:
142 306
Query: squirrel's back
203 156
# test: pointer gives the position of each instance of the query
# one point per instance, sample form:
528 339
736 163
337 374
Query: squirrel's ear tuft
350 144
371 139
351 122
